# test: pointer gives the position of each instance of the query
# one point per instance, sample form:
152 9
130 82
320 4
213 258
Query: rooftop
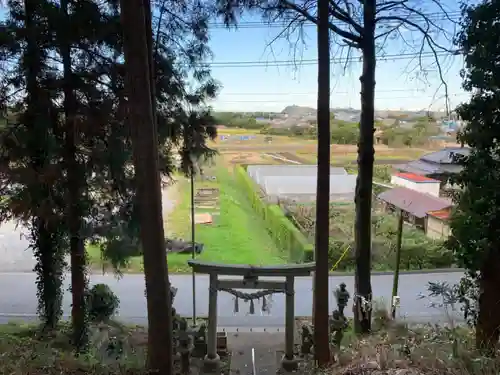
415 177
436 163
445 155
414 202
299 182
441 214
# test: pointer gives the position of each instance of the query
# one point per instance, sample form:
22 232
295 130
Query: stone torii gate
249 279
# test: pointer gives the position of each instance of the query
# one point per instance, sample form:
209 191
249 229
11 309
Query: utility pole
321 287
147 178
395 283
193 237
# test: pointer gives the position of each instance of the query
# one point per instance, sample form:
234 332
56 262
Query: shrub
102 303
425 255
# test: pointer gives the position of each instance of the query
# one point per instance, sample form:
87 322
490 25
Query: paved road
18 298
15 255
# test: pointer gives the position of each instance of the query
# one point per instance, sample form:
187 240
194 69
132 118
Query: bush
102 303
425 255
417 252
285 234
341 132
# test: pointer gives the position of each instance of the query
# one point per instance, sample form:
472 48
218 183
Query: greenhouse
298 182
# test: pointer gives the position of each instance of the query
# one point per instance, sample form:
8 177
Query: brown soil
292 156
246 158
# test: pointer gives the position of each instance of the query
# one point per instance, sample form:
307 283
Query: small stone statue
342 296
202 332
307 340
184 346
200 342
338 323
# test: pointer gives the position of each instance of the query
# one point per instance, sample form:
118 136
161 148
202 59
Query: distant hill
298 111
351 114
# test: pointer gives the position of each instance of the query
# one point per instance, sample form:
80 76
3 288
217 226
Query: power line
376 98
278 63
310 93
436 16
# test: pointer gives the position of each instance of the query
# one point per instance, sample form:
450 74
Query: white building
416 182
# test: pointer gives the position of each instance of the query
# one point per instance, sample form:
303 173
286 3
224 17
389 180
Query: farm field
347 154
231 138
304 150
283 156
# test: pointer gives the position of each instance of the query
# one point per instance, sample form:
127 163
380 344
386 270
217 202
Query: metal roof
299 182
283 185
424 168
445 155
441 214
260 172
414 202
290 170
436 163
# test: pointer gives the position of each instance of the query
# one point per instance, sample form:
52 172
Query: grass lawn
237 236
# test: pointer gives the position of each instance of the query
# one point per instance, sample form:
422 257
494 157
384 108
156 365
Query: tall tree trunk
74 176
148 186
49 262
321 290
488 319
362 238
149 36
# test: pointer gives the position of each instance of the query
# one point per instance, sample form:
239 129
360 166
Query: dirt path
170 196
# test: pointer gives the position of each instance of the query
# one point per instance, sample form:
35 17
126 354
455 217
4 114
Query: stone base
288 364
211 365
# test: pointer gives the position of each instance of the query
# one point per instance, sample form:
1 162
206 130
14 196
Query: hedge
287 237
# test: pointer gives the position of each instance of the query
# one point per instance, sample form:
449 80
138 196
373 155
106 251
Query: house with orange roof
437 224
413 181
424 211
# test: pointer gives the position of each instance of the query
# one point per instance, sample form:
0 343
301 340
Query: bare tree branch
425 32
337 30
388 5
420 27
344 15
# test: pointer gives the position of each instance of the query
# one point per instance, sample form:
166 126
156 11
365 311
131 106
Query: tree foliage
34 144
476 222
341 132
242 120
417 134
32 183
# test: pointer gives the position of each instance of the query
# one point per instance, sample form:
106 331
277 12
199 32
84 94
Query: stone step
267 347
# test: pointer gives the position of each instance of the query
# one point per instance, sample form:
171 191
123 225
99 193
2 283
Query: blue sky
272 87
272 84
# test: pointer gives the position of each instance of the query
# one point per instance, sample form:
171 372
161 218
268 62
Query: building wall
437 229
431 188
